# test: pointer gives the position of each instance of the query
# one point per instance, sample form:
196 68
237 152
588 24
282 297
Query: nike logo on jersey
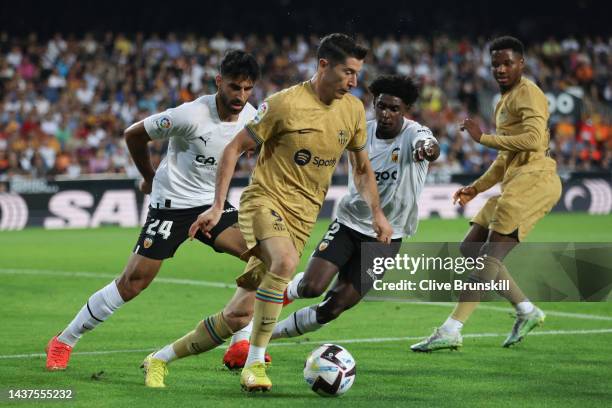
304 131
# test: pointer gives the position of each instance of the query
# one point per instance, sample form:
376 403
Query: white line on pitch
194 282
345 341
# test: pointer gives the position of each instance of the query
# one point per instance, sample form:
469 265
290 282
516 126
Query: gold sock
469 299
208 334
268 306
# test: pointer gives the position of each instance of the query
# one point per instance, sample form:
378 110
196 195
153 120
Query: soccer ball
330 370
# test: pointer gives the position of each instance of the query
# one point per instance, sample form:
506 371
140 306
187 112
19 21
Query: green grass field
46 276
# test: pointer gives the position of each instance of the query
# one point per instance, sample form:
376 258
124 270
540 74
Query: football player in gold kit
530 187
302 131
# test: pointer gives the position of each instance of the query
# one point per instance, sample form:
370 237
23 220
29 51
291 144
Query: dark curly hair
237 63
396 85
507 43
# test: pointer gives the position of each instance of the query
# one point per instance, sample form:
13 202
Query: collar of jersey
316 97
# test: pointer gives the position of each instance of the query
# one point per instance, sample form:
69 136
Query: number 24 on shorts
164 229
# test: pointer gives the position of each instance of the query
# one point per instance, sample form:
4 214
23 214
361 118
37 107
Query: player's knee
284 265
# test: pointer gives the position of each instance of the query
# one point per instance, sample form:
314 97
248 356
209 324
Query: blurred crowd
65 101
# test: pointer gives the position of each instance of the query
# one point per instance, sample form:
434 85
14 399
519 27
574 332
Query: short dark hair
399 86
337 47
237 63
507 43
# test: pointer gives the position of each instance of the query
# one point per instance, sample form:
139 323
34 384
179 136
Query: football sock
268 306
98 308
256 355
166 354
298 323
242 334
208 334
468 300
451 325
292 288
524 307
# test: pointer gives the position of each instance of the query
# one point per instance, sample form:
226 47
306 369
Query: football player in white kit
400 151
181 188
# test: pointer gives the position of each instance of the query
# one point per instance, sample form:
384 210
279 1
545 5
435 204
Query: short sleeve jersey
400 180
186 176
302 141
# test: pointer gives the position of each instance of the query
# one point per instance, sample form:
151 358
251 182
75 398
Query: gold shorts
259 219
524 200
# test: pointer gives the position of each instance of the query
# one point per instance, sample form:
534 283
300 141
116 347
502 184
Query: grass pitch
46 276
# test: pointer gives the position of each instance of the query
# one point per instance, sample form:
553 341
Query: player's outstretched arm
365 182
241 143
137 138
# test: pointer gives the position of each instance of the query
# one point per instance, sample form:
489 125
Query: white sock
242 334
524 307
298 323
451 325
98 308
292 288
166 354
256 355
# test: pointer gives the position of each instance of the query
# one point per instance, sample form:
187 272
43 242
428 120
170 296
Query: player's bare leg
137 275
340 298
231 241
313 281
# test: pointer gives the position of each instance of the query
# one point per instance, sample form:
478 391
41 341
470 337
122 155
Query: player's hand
472 128
382 228
464 195
426 150
146 186
205 222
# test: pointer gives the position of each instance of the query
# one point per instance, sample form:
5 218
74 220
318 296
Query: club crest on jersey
163 123
342 137
147 243
261 112
395 155
323 245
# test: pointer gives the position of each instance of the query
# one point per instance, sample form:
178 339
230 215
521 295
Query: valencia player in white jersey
181 188
400 151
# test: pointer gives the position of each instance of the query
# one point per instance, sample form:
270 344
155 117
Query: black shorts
343 247
165 230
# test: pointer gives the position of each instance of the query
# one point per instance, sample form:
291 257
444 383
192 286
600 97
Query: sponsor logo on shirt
163 123
302 157
203 161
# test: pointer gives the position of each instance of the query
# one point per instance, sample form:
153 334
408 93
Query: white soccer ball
330 370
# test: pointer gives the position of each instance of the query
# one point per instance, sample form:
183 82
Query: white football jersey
400 180
186 176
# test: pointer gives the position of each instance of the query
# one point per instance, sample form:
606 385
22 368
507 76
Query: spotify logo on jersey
302 157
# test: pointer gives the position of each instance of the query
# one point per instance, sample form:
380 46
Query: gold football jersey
302 141
521 121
